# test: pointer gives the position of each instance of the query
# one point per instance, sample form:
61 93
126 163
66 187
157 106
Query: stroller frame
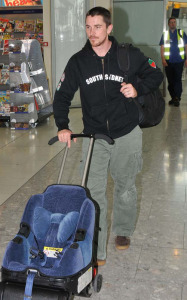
79 283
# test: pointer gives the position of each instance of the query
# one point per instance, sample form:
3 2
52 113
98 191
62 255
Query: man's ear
109 29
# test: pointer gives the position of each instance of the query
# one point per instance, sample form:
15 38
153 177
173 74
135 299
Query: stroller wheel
97 283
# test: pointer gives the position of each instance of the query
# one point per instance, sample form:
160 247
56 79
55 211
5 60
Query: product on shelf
3 23
39 25
19 87
19 25
15 83
15 46
4 76
10 26
4 109
15 61
4 103
24 108
25 87
29 25
5 47
21 125
7 36
13 67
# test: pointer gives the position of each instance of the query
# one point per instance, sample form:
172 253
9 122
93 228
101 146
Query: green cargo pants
124 161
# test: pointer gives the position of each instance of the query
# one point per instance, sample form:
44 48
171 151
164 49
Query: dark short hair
171 18
100 11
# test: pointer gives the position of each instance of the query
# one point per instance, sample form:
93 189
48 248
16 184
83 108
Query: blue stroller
53 256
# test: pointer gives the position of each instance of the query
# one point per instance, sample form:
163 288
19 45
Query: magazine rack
29 91
30 100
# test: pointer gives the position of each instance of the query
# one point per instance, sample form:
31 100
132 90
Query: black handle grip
53 140
96 136
77 135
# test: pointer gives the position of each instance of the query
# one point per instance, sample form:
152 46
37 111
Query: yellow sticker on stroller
52 252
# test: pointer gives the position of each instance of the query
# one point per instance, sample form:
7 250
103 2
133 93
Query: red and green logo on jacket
152 63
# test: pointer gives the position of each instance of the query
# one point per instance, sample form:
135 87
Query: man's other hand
128 90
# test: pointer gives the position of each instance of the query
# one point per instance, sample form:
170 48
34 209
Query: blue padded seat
54 218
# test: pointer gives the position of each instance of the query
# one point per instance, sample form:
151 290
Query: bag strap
123 59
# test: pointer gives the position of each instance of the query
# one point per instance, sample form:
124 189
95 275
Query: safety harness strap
29 284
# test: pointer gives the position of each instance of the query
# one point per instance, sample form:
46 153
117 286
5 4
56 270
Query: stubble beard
96 43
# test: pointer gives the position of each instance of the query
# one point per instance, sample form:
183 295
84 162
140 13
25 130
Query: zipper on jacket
103 66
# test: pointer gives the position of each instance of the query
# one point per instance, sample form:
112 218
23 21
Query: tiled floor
155 265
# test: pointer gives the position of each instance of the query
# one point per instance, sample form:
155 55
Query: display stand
24 91
4 88
30 100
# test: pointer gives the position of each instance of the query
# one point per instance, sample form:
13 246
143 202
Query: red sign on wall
22 2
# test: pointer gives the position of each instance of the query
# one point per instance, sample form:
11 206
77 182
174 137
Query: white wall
68 33
105 3
141 24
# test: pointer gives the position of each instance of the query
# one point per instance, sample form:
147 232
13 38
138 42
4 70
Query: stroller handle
96 136
92 138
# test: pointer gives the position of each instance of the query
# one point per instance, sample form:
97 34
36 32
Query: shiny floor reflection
154 267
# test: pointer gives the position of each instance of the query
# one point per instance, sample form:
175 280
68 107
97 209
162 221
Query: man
107 108
174 54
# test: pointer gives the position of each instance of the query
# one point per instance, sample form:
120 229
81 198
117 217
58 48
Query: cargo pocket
133 166
139 161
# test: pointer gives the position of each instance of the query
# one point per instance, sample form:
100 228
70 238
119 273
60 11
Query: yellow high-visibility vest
167 44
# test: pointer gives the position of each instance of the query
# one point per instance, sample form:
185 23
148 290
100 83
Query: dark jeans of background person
174 77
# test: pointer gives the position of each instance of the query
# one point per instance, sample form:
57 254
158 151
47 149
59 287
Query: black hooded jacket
105 109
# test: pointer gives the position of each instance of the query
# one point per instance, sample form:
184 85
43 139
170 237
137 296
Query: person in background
107 108
174 55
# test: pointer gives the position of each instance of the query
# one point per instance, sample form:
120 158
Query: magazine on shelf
19 26
30 25
5 96
3 23
7 36
4 103
10 26
5 47
39 25
4 109
4 76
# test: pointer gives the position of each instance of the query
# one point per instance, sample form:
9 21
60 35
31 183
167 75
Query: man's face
172 24
97 31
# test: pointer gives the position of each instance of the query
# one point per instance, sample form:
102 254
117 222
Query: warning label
52 252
